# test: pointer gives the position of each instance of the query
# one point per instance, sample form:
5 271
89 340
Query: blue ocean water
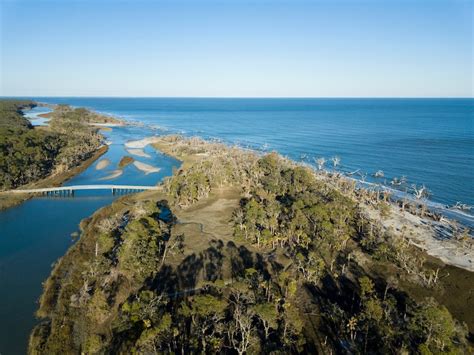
430 141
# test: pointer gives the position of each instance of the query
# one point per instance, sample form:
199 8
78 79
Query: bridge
69 190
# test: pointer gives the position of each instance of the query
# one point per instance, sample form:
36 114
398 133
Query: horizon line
238 97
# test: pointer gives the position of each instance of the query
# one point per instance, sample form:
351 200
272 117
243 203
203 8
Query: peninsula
247 253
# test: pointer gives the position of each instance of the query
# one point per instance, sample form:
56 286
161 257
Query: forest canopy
292 266
28 154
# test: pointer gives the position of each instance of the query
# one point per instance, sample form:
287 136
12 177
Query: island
242 252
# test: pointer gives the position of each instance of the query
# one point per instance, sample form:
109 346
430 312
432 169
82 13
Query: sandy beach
147 169
422 234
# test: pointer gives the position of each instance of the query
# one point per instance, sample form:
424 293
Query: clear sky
292 48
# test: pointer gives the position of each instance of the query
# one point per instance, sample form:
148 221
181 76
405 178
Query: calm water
429 141
36 233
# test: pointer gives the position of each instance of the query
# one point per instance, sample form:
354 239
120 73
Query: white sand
115 174
142 143
102 164
138 152
147 169
422 234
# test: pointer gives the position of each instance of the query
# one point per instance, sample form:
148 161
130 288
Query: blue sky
294 48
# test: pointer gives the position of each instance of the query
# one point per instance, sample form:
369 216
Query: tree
139 255
268 315
151 338
206 311
366 287
240 331
292 325
435 327
312 267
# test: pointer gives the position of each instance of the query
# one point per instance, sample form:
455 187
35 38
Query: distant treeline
11 115
28 154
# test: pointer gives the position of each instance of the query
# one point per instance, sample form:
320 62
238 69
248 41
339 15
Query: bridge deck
84 187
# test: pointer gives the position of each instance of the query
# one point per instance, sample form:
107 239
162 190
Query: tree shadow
213 260
188 272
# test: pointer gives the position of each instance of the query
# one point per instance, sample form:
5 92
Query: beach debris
461 206
362 175
320 162
336 161
398 181
420 192
379 174
353 172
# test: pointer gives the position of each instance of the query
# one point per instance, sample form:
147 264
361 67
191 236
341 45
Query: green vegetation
28 154
296 266
11 115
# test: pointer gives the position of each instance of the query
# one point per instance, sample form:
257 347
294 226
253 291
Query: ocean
429 141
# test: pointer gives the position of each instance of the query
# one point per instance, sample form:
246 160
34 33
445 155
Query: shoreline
421 231
9 200
456 267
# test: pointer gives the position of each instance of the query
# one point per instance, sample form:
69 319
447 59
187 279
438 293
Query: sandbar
142 143
102 164
147 169
138 152
115 174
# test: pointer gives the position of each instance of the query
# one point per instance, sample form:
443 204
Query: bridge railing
69 190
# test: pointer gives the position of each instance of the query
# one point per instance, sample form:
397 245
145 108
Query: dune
102 164
138 152
115 174
147 169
